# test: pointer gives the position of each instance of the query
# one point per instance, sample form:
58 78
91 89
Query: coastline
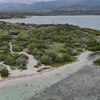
81 61
24 88
90 21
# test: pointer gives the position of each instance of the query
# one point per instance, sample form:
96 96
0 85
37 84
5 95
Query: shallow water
26 90
83 21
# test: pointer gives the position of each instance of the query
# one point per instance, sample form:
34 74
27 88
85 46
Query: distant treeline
75 12
8 15
66 12
23 14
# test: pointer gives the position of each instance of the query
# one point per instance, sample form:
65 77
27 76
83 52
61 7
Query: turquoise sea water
24 91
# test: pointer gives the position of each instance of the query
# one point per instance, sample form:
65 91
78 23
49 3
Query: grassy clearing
55 47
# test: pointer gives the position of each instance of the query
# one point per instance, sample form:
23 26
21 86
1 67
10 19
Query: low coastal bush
16 60
97 62
55 60
91 31
38 65
93 45
4 73
42 69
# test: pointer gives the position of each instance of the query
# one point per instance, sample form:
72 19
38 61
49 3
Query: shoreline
25 78
32 86
30 16
67 19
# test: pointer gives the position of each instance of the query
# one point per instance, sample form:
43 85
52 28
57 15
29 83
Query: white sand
28 76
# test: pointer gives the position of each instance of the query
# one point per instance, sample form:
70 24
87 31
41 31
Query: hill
53 5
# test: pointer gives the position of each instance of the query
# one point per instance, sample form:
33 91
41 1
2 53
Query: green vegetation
97 62
53 45
38 65
92 31
7 15
93 45
42 69
16 61
4 73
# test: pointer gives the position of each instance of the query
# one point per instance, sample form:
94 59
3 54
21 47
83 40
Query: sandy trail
30 65
31 59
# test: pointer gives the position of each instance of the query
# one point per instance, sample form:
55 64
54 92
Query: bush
17 48
49 58
1 57
4 73
36 66
17 61
66 57
97 62
42 69
93 45
39 64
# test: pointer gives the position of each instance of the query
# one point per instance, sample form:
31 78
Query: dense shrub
4 73
97 62
93 45
15 60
